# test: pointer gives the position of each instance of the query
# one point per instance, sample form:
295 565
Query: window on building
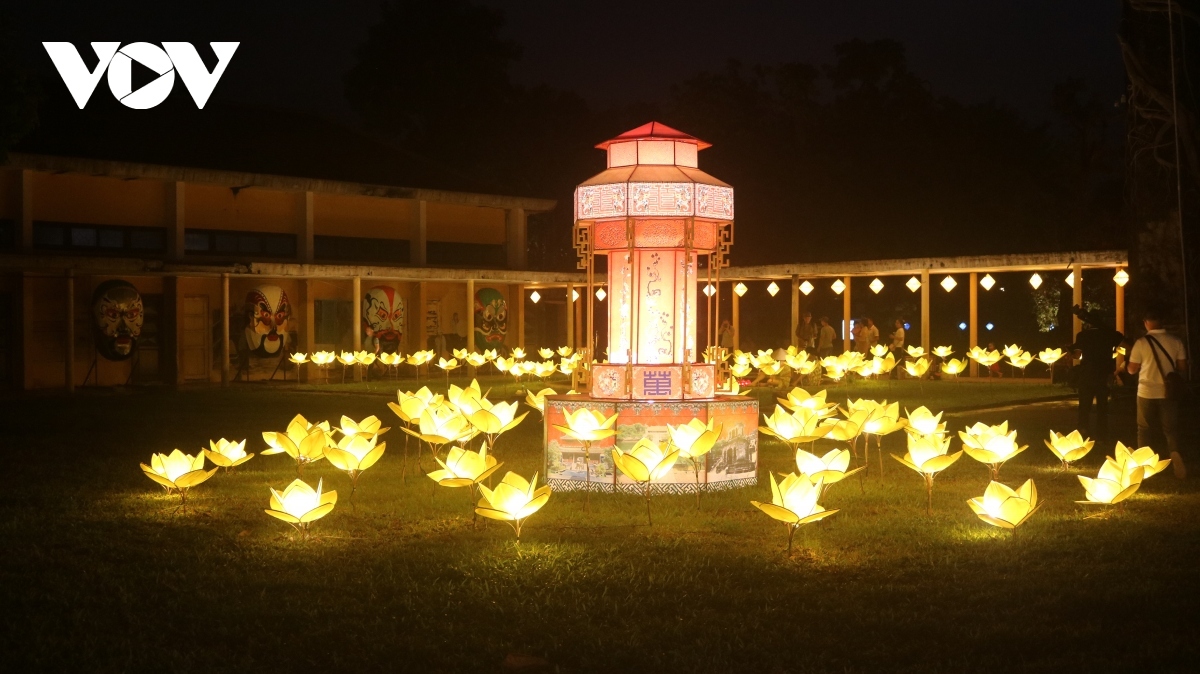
98 238
238 244
333 321
360 249
465 254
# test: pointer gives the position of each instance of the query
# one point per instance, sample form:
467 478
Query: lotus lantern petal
513 500
1004 507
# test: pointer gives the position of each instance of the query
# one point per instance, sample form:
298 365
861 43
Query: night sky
293 54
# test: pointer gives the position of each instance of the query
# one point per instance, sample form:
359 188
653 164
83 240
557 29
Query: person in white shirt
1152 357
872 333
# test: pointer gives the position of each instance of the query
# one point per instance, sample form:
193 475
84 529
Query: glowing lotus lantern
177 472
1069 448
494 419
954 366
796 360
546 353
814 402
364 357
323 358
518 353
513 500
644 463
489 355
772 368
227 454
588 426
1144 458
466 399
916 368
915 351
504 364
694 440
1012 350
298 358
347 358
983 356
928 455
991 445
803 425
300 505
545 369
369 427
879 351
538 400
923 422
1050 356
409 407
302 441
794 502
447 365
1113 484
1001 506
464 468
459 354
740 369
439 425
827 469
1021 360
354 454
885 364
943 351
475 359
528 366
565 351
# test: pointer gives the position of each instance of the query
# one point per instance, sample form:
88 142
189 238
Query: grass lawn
101 573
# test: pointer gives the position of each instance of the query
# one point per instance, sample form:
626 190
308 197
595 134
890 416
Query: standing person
1094 348
1155 358
806 333
725 335
897 346
825 338
872 333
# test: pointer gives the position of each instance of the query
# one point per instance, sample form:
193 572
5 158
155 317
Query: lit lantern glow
838 287
773 289
802 425
816 403
879 350
518 352
1144 458
227 454
587 426
914 284
876 286
447 365
829 468
1071 279
1113 483
991 445
354 454
574 295
1001 506
177 471
915 351
364 357
1035 281
323 358
546 353
347 358
987 282
710 290
535 297
600 294
740 289
302 441
1070 447
538 400
1021 360
439 425
1012 350
806 287
983 356
513 500
565 351
368 427
923 422
954 366
943 351
949 283
298 358
464 468
1121 277
794 502
644 463
916 368
694 440
928 455
459 353
476 359
300 505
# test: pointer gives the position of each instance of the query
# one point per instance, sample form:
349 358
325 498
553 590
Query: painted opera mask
491 318
119 315
269 312
383 318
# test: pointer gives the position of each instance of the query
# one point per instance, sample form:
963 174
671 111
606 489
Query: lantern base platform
732 463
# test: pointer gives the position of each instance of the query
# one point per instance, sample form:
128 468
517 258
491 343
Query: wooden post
355 320
795 309
518 308
924 309
515 226
470 322
1076 299
973 320
70 351
224 329
737 317
1120 306
176 221
305 250
418 319
846 315
577 309
310 325
417 242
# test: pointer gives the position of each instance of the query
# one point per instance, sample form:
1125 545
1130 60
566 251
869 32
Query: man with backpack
1160 361
1093 347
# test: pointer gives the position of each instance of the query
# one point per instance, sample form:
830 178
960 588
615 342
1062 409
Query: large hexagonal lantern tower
656 216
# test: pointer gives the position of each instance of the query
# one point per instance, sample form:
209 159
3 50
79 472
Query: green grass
100 572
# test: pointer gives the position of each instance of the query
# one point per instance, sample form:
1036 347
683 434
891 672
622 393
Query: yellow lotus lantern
829 469
916 368
545 369
794 502
644 463
513 500
885 364
298 358
991 445
1012 350
464 468
1001 506
302 441
300 505
740 369
848 429
528 366
983 356
347 358
364 357
1144 457
518 352
923 422
884 420
943 351
1021 360
803 425
1050 356
796 360
441 425
1069 448
495 419
587 426
459 354
565 351
476 359
227 454
568 365
538 400
466 399
447 365
928 455
504 364
694 440
798 398
489 355
409 407
323 358
369 427
954 366
879 350
177 472
1113 484
915 351
546 353
354 454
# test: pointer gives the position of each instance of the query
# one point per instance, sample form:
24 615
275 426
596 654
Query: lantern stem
929 494
791 534
587 467
646 490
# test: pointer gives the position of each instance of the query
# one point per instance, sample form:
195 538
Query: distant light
962 326
710 290
908 326
773 289
914 284
740 289
600 294
876 286
1071 279
1035 281
535 296
949 283
989 326
806 287
1121 277
574 294
838 287
987 282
